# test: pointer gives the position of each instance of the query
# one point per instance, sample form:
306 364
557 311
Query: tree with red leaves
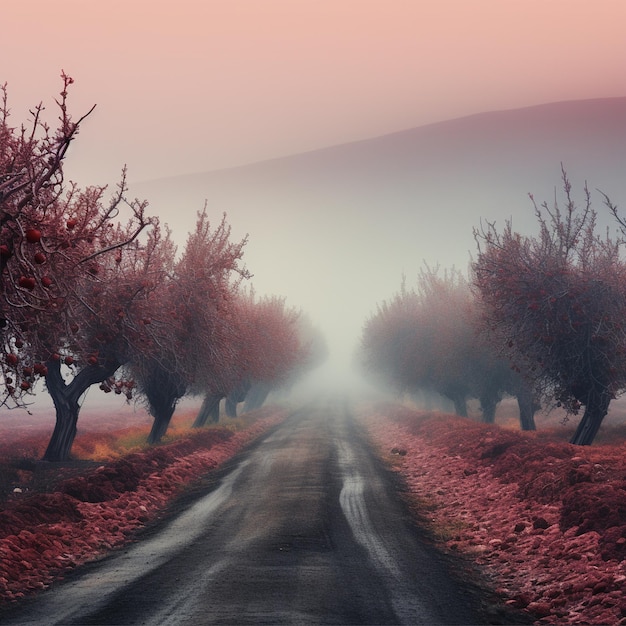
300 359
194 321
111 319
428 340
228 377
271 352
556 303
58 262
273 345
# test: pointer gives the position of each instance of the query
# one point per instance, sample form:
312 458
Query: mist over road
305 527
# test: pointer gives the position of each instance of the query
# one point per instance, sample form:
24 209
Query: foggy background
352 140
335 230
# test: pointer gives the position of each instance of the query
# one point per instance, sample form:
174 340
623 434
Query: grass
106 446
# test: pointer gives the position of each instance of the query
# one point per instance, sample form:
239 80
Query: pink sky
194 85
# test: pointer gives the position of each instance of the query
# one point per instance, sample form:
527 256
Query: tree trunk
527 408
209 411
163 390
230 406
596 408
488 404
256 396
64 433
162 399
66 398
162 416
234 397
460 405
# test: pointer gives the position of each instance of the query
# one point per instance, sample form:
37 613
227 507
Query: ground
57 516
544 521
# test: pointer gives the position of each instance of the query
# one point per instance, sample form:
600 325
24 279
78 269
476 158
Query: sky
197 85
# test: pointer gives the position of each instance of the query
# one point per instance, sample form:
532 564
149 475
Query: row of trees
94 292
426 342
542 318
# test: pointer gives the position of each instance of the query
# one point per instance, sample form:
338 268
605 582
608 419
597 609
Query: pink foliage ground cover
544 520
43 535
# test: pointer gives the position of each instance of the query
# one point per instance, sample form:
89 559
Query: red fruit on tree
5 251
33 235
71 223
46 281
25 385
11 359
26 282
40 258
68 360
40 369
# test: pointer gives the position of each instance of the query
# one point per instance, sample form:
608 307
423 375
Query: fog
195 86
334 231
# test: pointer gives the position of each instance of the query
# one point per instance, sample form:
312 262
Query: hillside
334 230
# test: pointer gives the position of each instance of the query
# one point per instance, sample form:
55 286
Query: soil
57 516
544 520
305 526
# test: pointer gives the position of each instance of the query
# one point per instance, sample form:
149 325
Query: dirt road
305 528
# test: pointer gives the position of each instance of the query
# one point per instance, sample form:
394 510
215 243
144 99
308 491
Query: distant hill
351 218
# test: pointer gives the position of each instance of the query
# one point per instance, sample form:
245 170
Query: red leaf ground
544 520
57 516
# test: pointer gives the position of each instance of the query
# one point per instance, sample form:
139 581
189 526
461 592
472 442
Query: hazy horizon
206 86
335 230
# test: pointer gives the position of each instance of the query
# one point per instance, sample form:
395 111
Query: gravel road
306 527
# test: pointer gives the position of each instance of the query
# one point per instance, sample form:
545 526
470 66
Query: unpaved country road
305 528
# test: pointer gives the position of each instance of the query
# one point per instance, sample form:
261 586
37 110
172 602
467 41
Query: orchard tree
110 321
557 304
59 244
268 347
193 324
389 339
229 377
31 183
429 340
424 340
312 352
274 350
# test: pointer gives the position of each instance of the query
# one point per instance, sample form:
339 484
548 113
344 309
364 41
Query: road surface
304 528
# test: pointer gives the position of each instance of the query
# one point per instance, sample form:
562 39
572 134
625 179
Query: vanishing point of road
305 527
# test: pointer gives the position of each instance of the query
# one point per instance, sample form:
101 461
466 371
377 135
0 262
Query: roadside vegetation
93 292
55 517
541 520
539 318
